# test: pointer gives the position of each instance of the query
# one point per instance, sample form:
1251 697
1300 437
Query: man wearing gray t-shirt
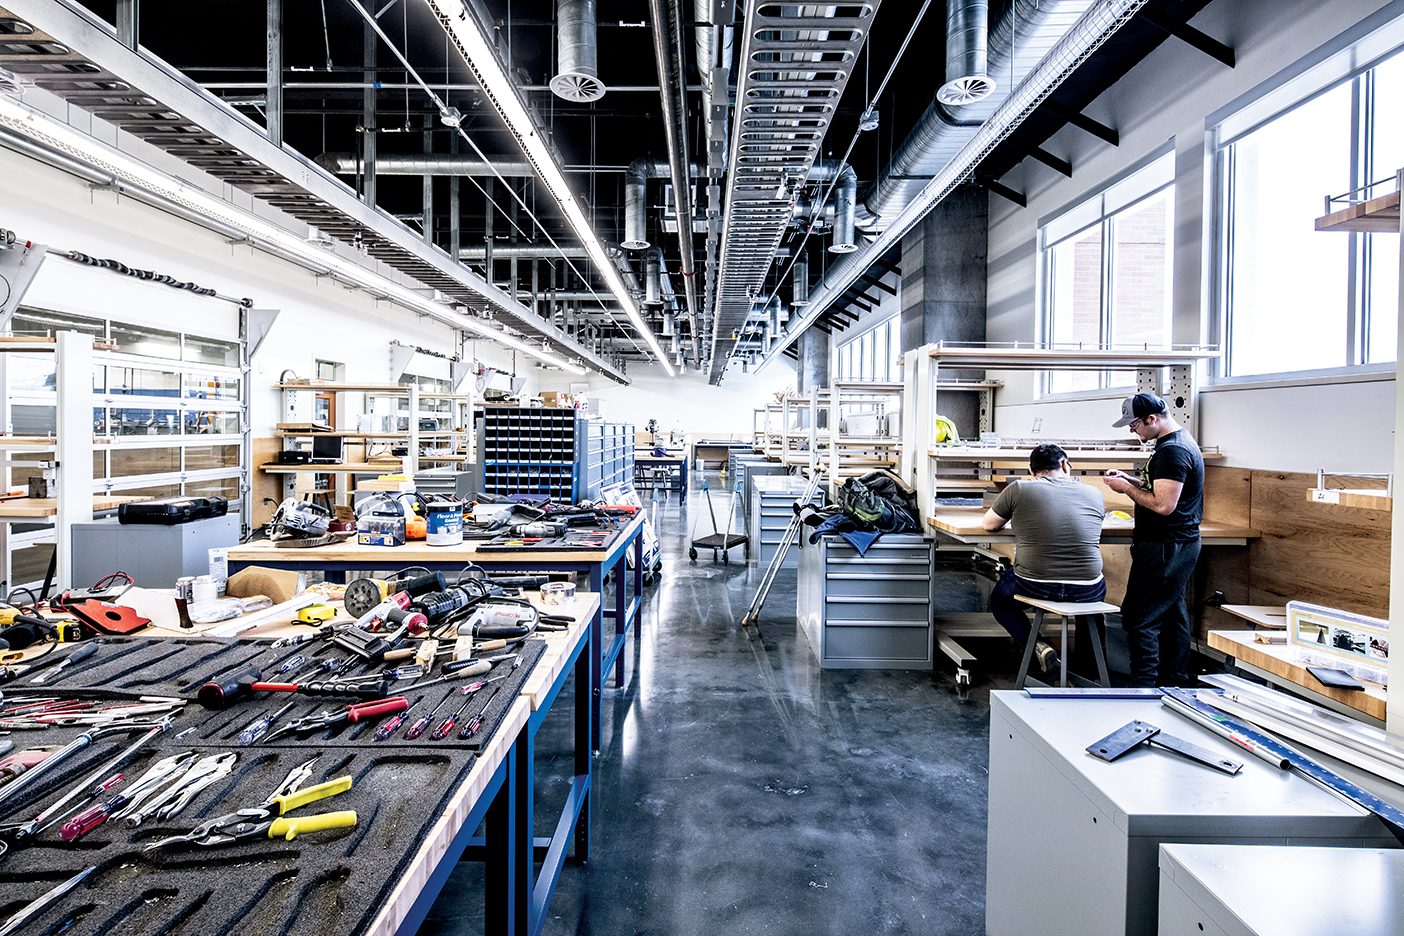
1057 536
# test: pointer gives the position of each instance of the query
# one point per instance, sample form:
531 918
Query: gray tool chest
772 506
867 612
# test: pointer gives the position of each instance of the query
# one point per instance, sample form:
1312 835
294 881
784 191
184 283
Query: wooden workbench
963 524
1279 665
43 508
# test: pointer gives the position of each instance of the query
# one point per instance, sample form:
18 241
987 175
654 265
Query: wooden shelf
293 434
1373 215
328 386
1348 497
1045 358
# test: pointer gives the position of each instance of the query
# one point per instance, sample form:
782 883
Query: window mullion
1108 273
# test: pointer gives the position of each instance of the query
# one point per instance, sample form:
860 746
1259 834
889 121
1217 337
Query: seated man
1057 532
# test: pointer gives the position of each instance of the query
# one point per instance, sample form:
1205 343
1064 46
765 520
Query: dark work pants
1013 615
1155 612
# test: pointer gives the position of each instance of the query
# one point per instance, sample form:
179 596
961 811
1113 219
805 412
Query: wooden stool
1068 611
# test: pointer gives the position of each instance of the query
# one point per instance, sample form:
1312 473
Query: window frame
1225 130
1149 178
854 360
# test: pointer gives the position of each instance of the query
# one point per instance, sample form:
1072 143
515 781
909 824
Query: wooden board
1272 617
1374 214
1281 662
559 645
1322 553
421 868
266 490
964 523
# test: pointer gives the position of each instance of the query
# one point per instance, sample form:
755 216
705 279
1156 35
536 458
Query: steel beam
1190 36
368 173
1084 123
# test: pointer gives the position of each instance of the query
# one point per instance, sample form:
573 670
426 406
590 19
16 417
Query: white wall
1167 98
687 404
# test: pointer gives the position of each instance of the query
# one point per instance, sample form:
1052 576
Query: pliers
351 713
268 819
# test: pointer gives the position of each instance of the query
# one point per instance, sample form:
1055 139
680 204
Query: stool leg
1063 653
1029 646
1094 629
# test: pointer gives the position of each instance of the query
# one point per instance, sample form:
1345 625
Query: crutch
792 529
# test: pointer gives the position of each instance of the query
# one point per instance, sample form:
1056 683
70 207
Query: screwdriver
76 656
476 722
442 732
386 731
419 727
259 726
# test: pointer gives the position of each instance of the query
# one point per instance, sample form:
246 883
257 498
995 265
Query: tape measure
315 614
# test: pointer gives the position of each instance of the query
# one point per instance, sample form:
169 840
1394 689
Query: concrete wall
1167 98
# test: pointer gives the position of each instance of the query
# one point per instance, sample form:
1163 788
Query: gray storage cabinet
749 471
773 499
1074 842
153 555
1266 890
867 612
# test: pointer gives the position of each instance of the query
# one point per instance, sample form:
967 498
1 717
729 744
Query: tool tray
321 882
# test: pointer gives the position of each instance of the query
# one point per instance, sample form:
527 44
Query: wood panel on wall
1324 553
265 489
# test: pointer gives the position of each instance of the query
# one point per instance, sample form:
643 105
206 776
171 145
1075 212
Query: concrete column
943 287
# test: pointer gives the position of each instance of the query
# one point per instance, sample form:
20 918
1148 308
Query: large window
1290 298
1106 271
872 354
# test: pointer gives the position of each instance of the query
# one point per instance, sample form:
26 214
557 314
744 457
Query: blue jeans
1155 612
1013 615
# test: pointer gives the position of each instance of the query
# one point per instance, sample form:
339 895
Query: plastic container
443 518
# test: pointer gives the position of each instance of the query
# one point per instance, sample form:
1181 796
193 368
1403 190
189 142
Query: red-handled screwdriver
422 725
387 731
476 721
442 732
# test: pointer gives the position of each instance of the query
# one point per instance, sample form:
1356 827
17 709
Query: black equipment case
168 511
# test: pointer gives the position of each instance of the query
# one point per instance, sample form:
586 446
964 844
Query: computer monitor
326 449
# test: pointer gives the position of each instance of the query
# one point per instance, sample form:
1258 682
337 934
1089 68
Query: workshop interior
545 467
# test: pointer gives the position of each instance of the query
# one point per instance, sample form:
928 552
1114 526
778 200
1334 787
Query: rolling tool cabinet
772 505
868 612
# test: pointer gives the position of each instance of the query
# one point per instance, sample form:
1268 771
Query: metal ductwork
713 38
845 198
430 164
1017 43
522 252
795 62
799 283
577 52
653 266
967 53
666 19
636 198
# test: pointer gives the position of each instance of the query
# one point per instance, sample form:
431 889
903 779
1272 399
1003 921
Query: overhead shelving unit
928 465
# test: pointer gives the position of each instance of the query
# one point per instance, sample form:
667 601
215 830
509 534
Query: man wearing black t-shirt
1169 496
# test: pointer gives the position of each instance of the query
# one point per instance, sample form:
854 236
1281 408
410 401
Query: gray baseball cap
1139 407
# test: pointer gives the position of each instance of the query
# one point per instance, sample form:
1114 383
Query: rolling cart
719 543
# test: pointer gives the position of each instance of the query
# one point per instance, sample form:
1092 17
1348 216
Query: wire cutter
269 819
351 713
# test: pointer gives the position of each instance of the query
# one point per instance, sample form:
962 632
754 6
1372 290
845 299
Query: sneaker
1046 657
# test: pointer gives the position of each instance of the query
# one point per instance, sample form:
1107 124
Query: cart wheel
962 679
714 555
692 553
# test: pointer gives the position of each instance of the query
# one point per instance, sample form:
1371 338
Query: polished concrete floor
743 790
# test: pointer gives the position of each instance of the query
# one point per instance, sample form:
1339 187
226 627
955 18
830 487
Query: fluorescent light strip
484 64
43 129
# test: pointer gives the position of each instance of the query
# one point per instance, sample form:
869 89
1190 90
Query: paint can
443 518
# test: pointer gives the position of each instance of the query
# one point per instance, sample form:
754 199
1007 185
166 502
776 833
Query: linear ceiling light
43 129
477 51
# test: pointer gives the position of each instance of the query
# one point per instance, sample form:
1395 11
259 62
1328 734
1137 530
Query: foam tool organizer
307 870
574 540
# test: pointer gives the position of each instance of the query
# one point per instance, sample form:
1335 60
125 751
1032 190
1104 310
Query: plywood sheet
266 489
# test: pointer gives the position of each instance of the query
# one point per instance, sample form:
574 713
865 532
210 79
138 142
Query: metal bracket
1136 733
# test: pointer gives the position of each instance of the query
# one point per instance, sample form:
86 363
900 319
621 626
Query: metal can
185 587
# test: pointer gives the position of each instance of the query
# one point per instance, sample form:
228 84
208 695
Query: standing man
1169 498
1057 554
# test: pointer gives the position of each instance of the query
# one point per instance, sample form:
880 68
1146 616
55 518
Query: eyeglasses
1136 422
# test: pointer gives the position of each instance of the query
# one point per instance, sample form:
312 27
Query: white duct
577 51
522 252
845 197
653 266
430 164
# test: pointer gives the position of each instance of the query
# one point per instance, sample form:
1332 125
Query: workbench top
263 552
1281 664
963 523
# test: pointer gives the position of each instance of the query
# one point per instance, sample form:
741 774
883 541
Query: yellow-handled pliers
270 819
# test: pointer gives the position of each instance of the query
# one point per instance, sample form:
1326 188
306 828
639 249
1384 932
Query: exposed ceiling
349 100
